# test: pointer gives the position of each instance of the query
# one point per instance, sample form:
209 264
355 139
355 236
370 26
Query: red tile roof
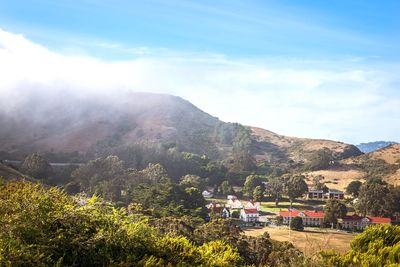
250 211
379 219
311 214
355 217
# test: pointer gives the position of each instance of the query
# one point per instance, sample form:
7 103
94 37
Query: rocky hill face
91 124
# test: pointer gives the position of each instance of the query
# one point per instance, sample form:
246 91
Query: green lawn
284 205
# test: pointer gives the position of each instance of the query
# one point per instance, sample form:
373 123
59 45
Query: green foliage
226 188
377 198
296 223
353 188
242 162
37 166
191 180
319 160
378 245
334 209
275 189
45 227
102 176
295 186
252 181
234 134
258 193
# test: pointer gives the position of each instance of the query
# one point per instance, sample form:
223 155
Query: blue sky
286 65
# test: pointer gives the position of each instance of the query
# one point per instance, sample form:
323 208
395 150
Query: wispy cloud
345 100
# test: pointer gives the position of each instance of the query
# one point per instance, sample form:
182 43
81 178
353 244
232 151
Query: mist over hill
95 124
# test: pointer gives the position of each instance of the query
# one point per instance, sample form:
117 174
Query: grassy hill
383 163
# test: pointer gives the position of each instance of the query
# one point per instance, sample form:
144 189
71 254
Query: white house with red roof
355 222
249 215
310 218
253 205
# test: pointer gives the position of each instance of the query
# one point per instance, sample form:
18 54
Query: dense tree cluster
378 245
377 198
37 166
46 227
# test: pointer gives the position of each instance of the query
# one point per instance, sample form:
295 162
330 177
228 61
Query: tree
39 226
258 193
275 189
226 188
252 181
378 245
295 187
319 160
37 166
101 176
191 180
353 188
317 182
297 224
376 199
242 161
334 209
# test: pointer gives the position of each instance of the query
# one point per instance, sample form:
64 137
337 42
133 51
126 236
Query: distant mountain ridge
373 146
60 121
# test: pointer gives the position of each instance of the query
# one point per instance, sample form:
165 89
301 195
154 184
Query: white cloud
335 100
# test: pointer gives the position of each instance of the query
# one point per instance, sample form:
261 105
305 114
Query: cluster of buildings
316 218
248 212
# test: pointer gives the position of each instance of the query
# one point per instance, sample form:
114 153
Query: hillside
383 163
9 173
274 147
96 124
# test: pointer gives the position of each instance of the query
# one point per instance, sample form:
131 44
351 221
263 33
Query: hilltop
93 125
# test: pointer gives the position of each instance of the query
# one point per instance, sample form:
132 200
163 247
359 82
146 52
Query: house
218 209
207 194
253 205
310 218
355 222
249 215
231 197
314 193
334 194
234 204
331 194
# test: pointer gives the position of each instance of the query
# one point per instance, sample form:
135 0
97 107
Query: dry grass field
390 154
336 179
310 242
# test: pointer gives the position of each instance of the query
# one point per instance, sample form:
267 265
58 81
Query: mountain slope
9 173
91 124
383 163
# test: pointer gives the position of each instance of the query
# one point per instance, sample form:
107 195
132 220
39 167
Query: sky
317 69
